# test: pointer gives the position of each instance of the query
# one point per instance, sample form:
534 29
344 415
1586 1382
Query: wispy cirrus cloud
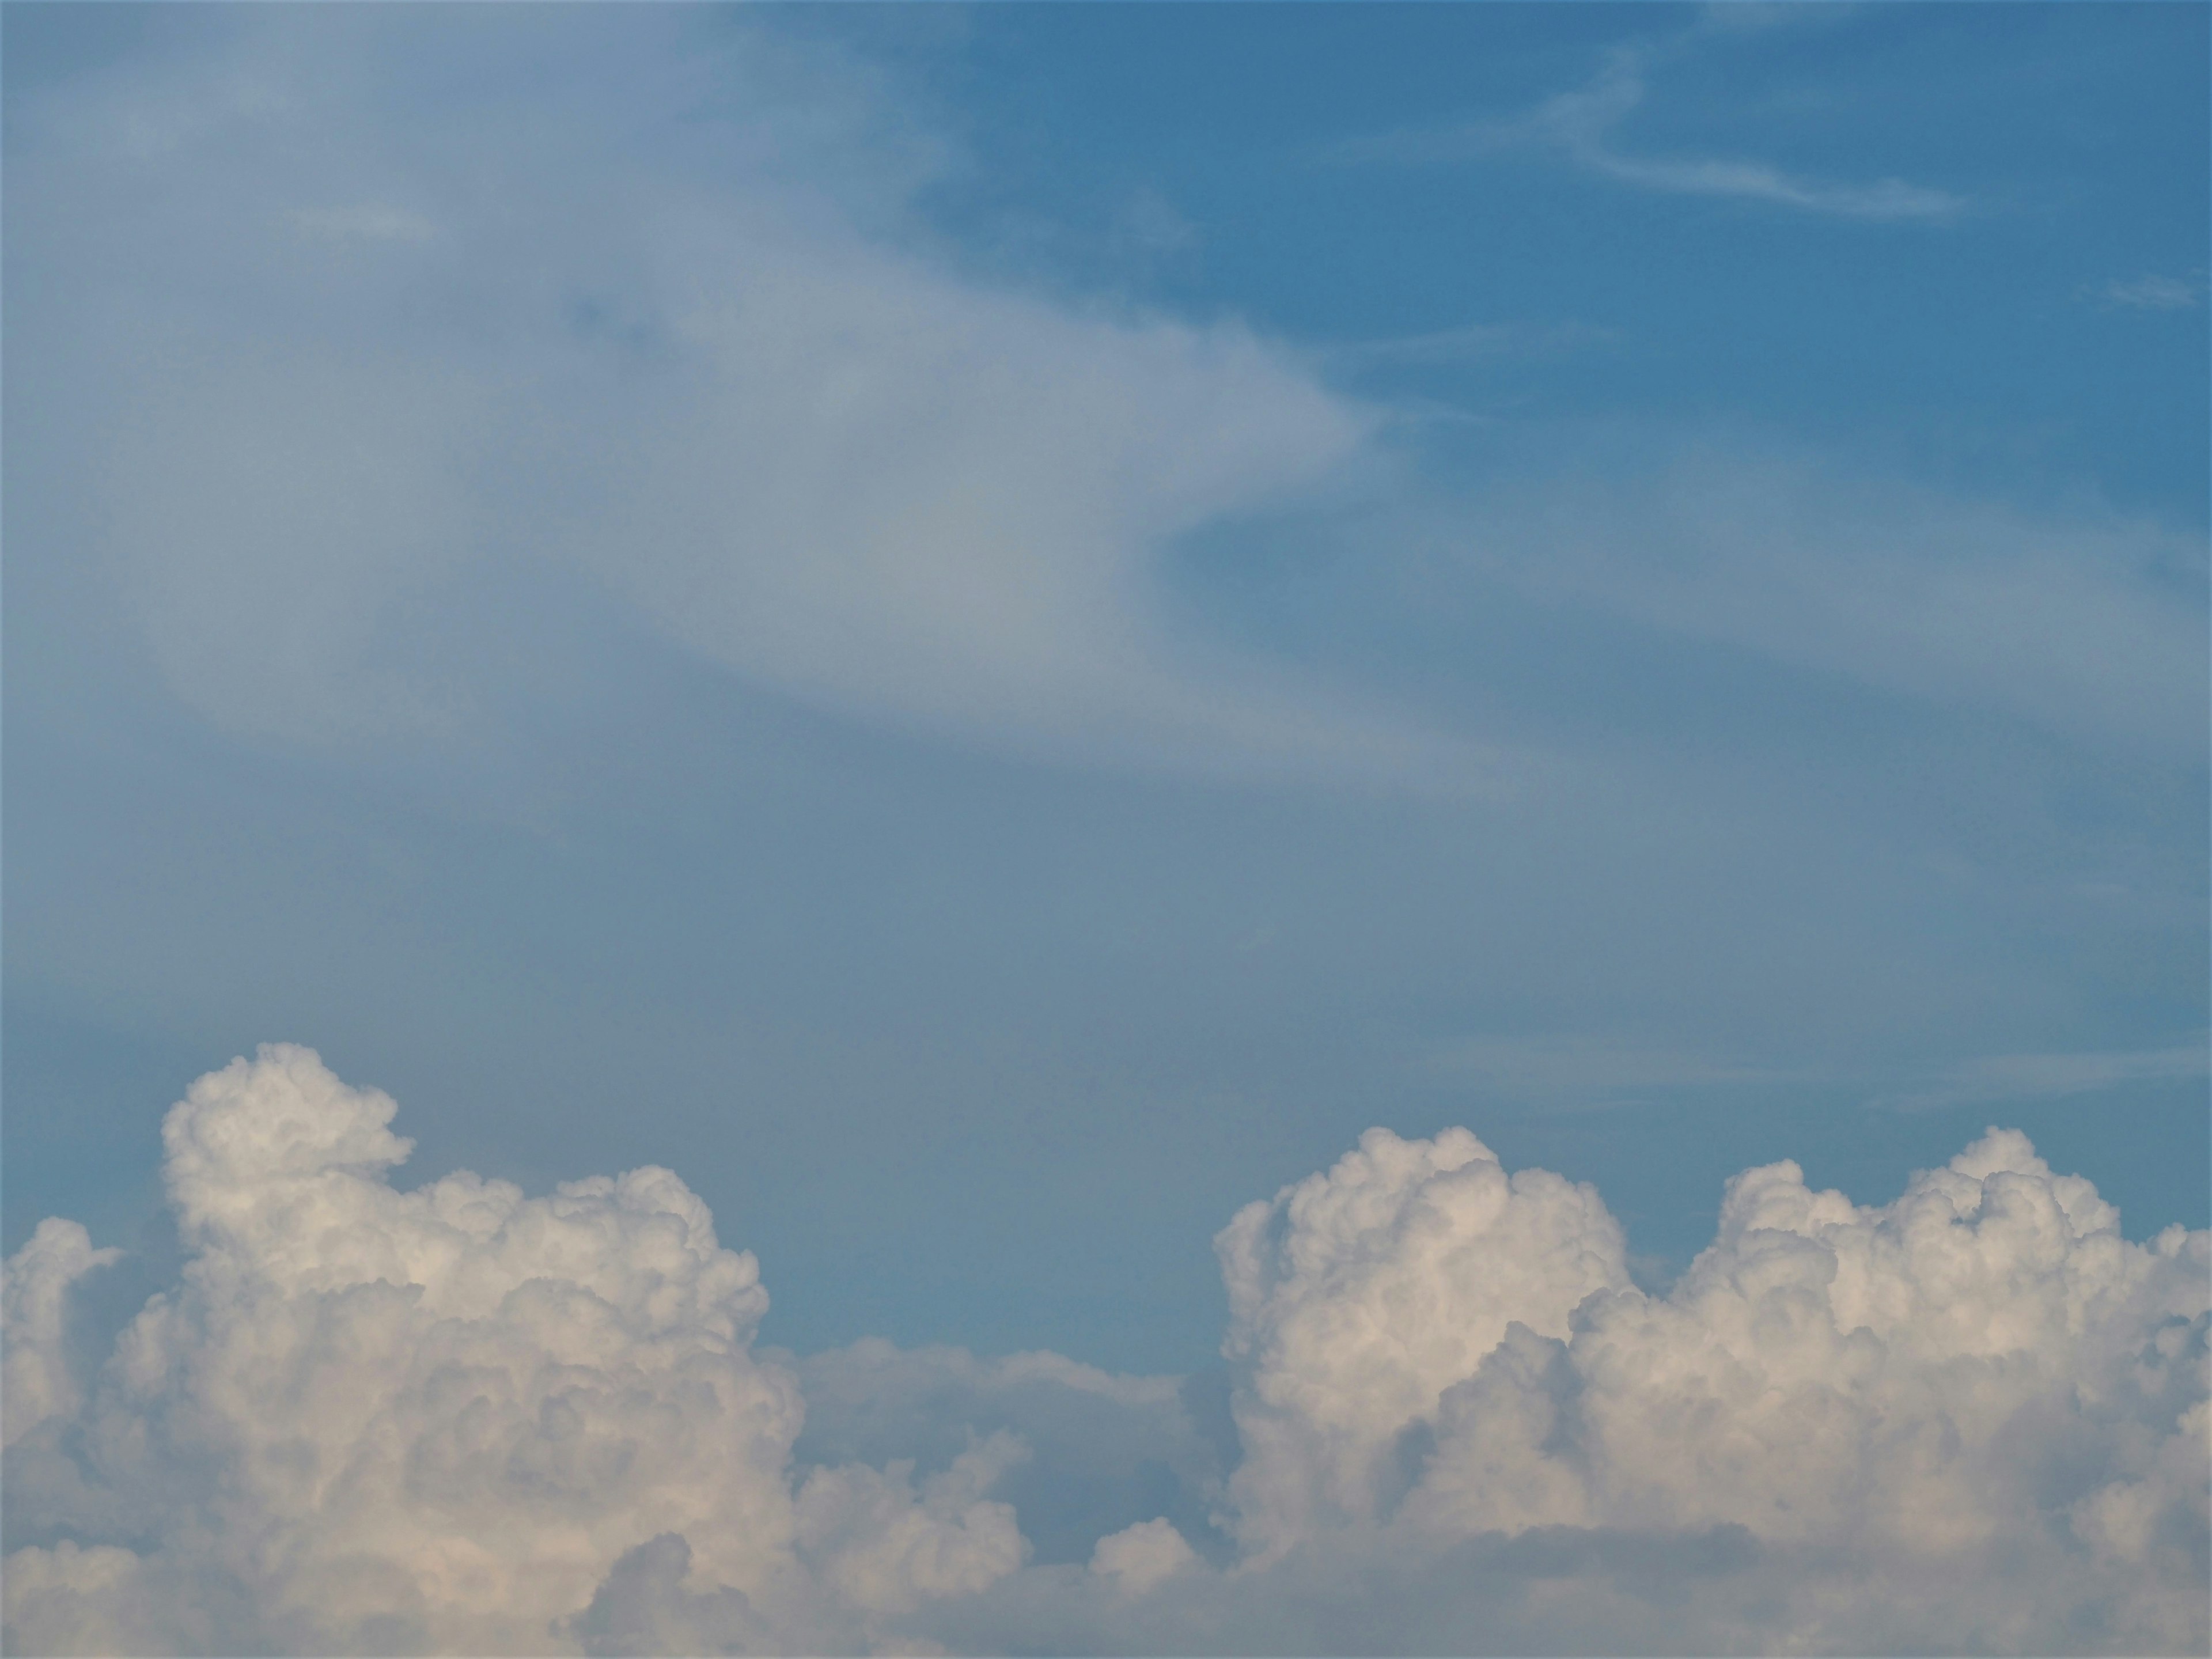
1580 125
1580 1064
793 445
2153 293
1467 342
1996 1078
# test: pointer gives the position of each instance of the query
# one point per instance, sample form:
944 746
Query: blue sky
991 631
1130 829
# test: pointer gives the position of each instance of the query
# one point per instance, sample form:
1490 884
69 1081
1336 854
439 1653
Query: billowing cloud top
1357 1297
458 1419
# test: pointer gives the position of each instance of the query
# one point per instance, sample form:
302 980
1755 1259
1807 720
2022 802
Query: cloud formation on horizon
461 1418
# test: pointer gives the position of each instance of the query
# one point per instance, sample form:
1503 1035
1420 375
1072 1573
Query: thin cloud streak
1469 343
1579 1065
1996 1078
1580 125
2155 293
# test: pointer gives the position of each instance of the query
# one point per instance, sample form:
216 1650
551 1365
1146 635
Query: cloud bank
460 1419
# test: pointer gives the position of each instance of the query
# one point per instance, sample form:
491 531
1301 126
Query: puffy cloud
36 1365
1140 1557
1983 1373
438 1419
458 1418
882 1549
1103 1452
1357 1296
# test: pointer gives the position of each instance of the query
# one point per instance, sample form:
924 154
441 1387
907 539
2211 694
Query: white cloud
2088 625
893 493
1982 1371
1143 1557
1580 125
1435 1238
1994 1077
1470 342
38 1382
880 1548
438 1419
704 367
2155 293
1102 1453
458 1419
753 408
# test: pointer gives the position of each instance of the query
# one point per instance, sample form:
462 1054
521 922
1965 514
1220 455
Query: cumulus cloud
1357 1296
1140 1558
434 1420
461 1418
1102 1453
36 1366
1977 1374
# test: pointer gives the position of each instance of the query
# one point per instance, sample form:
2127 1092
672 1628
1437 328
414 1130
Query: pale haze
1114 829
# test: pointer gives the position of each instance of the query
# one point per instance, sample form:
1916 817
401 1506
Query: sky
978 638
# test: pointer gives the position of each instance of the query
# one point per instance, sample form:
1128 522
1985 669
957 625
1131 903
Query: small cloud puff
461 1418
1141 1557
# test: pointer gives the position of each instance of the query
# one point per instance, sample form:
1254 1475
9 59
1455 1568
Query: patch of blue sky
1354 178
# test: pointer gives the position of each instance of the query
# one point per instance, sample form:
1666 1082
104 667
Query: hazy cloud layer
2028 1077
2086 624
322 401
460 1418
337 388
